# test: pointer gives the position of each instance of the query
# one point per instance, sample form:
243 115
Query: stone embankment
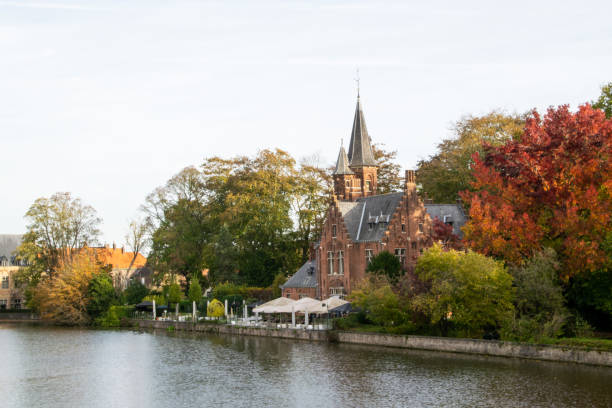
18 317
469 346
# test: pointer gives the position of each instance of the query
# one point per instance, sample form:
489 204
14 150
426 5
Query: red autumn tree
552 187
443 233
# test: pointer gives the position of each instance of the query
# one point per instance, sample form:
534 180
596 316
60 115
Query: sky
109 99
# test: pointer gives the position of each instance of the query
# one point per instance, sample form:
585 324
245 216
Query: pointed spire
360 151
342 165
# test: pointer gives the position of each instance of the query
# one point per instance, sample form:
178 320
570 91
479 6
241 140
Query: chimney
410 181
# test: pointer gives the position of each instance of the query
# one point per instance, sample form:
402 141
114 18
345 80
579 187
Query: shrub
215 309
160 300
115 316
466 293
381 305
540 306
135 293
279 279
101 294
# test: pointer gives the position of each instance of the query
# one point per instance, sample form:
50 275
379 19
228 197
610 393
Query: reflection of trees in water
288 372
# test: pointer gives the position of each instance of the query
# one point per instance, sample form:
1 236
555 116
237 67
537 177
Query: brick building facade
361 224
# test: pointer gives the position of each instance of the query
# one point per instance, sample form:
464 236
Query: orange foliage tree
63 298
550 188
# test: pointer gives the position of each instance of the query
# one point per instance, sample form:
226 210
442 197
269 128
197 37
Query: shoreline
496 348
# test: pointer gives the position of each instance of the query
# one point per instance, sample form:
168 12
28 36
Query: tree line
535 188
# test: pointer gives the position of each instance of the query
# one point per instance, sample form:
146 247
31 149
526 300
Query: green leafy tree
540 305
604 102
195 290
279 279
386 264
253 197
174 295
179 242
58 227
135 293
309 202
223 254
448 172
389 179
380 304
466 293
101 294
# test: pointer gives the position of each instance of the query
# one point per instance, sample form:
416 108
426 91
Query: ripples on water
54 367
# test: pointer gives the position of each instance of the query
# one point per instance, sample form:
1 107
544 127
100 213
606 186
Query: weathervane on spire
357 80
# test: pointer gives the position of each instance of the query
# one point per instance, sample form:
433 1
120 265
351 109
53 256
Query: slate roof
448 213
302 278
360 150
378 209
8 244
342 165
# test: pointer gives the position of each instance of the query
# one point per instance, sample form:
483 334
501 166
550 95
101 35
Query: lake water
57 367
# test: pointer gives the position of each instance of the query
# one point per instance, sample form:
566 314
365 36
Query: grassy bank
582 343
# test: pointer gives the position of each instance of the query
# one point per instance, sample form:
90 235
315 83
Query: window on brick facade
400 254
348 183
16 303
369 255
334 230
5 282
330 263
420 227
368 185
3 304
403 227
414 245
341 262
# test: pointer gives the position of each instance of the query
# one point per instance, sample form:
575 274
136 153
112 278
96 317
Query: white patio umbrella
275 306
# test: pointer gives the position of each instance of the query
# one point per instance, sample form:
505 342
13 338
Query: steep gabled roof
360 151
357 214
8 244
305 277
448 213
342 164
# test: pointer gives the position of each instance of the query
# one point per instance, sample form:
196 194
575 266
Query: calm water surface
54 367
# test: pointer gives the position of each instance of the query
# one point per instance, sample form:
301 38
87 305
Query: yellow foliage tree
63 298
215 309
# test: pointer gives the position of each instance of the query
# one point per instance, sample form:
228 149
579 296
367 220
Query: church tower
360 177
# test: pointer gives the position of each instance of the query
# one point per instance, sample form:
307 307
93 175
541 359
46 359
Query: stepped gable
368 218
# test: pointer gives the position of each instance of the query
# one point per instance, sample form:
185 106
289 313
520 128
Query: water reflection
54 367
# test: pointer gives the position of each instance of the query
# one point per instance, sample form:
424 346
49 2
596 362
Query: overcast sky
108 99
